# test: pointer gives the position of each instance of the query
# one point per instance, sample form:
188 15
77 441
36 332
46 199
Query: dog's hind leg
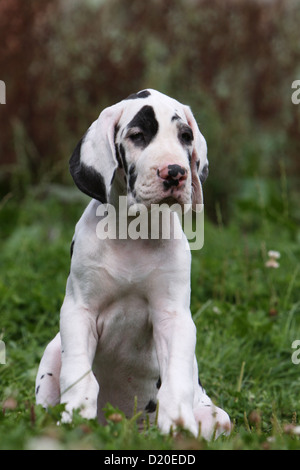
47 391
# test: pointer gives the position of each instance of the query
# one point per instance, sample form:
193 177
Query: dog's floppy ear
93 162
199 163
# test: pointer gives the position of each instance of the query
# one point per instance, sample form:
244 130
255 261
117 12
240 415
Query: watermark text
296 354
296 94
160 221
2 352
2 92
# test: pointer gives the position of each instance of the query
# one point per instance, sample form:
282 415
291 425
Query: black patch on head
132 177
144 120
204 173
86 177
150 407
140 94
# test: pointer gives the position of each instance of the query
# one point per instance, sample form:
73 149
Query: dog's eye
187 137
137 137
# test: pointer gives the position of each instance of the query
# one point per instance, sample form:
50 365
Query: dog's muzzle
172 176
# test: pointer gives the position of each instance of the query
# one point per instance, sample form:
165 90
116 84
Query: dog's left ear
199 163
94 161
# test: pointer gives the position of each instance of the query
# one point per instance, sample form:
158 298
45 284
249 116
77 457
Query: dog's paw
171 418
86 411
212 421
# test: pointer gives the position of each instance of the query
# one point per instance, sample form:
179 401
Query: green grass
247 317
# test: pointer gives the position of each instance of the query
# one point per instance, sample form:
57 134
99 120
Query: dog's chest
126 363
127 284
125 331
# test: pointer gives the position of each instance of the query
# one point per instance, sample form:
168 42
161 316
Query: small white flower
272 263
296 430
216 310
273 256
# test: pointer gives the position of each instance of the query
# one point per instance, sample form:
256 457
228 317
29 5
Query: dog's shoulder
84 240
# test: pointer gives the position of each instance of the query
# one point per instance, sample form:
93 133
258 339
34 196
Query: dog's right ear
199 162
93 162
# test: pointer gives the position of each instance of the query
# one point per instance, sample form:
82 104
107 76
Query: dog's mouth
172 200
176 198
176 194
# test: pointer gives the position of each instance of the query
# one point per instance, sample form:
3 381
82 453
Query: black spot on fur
123 157
113 176
132 177
37 390
140 94
144 120
92 183
204 173
116 131
150 407
189 154
118 157
72 248
88 180
158 383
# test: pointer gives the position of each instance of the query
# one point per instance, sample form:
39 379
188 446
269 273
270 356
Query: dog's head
147 147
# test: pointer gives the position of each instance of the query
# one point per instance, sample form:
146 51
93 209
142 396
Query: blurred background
232 61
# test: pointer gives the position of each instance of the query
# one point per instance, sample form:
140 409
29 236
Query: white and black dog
126 331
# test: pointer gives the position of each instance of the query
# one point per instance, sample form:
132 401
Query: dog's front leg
78 385
175 339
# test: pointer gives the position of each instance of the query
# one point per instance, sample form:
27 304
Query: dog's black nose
176 171
172 174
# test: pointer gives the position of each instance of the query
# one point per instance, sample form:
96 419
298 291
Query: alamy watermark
2 352
139 222
296 354
2 92
296 94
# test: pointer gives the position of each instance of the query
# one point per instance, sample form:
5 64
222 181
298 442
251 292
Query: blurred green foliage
232 61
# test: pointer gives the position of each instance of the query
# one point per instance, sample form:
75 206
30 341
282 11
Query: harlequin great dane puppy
125 325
